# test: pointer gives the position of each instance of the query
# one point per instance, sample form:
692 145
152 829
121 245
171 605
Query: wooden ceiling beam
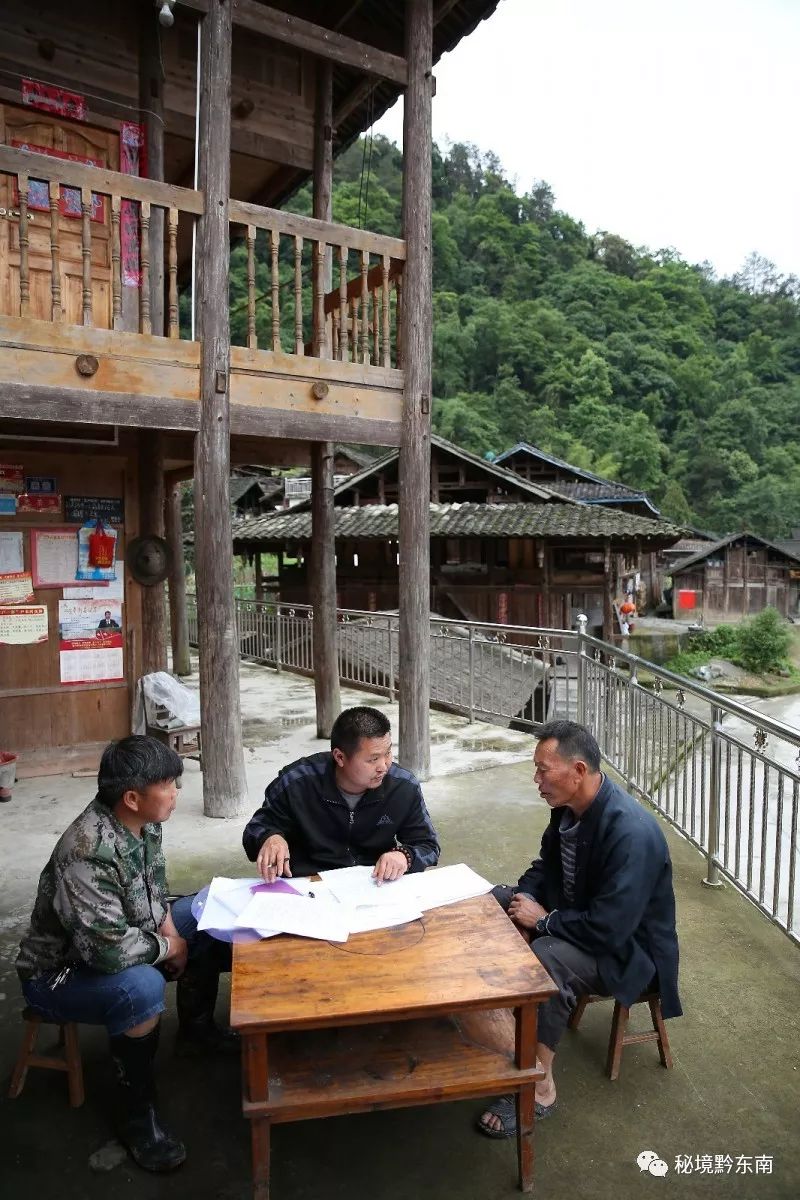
313 39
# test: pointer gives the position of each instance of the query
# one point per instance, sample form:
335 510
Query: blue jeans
119 1001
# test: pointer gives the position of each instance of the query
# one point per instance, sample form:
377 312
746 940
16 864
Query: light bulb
166 16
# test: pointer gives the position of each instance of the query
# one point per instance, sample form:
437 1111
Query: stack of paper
346 901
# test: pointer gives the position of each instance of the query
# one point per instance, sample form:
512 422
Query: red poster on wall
131 162
50 99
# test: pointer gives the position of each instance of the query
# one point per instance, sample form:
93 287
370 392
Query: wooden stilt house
138 142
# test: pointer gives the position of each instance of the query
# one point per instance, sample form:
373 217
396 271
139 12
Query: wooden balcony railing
73 223
78 252
356 320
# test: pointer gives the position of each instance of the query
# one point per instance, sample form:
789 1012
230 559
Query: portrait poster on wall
90 640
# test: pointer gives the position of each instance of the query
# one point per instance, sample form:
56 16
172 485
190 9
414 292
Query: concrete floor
734 1089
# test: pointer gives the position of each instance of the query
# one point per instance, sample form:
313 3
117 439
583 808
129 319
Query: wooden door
23 127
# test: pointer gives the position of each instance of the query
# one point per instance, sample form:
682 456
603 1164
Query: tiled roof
598 488
570 521
600 493
505 478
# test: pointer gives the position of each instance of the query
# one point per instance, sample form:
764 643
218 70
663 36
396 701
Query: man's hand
273 859
174 963
390 866
525 912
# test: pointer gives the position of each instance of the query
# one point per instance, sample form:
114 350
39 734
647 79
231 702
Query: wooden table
443 1008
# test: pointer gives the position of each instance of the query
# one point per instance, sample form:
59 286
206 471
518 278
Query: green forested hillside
629 362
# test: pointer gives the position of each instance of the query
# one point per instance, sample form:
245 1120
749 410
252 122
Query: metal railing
724 774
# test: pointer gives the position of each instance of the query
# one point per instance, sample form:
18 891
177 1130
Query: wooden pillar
178 618
259 573
415 448
609 590
151 103
151 524
224 783
323 517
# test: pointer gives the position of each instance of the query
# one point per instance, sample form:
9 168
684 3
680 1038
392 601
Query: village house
574 482
138 143
736 577
503 549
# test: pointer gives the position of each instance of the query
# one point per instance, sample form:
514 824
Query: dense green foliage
760 645
632 363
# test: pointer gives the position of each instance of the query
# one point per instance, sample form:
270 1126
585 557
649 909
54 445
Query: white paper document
316 916
355 887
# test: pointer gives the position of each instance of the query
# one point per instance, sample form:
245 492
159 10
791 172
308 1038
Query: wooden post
609 590
323 517
224 782
151 103
151 523
259 581
178 618
415 449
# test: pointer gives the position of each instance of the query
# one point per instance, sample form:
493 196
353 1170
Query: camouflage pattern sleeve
90 903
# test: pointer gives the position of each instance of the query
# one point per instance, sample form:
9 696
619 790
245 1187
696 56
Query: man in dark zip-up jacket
598 902
350 806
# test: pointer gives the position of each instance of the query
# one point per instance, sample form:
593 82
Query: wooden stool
184 740
619 1023
69 1060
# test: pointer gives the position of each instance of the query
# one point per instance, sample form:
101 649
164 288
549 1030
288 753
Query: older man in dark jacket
598 902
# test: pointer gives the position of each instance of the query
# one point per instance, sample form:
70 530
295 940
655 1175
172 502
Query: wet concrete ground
734 1089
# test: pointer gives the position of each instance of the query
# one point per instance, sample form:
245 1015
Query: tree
674 505
764 642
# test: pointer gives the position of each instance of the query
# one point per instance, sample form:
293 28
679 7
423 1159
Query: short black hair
133 764
574 741
353 724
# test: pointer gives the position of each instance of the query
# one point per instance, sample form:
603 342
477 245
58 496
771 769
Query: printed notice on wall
90 640
11 560
54 557
23 625
16 588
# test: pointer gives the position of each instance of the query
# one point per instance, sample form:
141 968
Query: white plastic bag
164 701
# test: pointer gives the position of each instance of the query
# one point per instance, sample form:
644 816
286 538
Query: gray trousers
573 971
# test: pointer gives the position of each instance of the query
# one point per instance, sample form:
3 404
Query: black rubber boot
149 1145
196 996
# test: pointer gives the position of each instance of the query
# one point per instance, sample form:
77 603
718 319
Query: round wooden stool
68 1060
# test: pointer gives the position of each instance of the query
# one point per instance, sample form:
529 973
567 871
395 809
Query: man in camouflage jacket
103 939
101 900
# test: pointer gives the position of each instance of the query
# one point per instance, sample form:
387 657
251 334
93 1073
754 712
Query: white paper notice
114 590
354 886
11 553
315 917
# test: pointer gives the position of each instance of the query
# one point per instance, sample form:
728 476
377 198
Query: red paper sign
53 100
31 502
687 598
131 162
12 477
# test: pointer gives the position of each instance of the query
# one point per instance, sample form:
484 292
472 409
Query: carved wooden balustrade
89 253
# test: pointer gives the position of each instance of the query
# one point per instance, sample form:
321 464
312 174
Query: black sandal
505 1110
